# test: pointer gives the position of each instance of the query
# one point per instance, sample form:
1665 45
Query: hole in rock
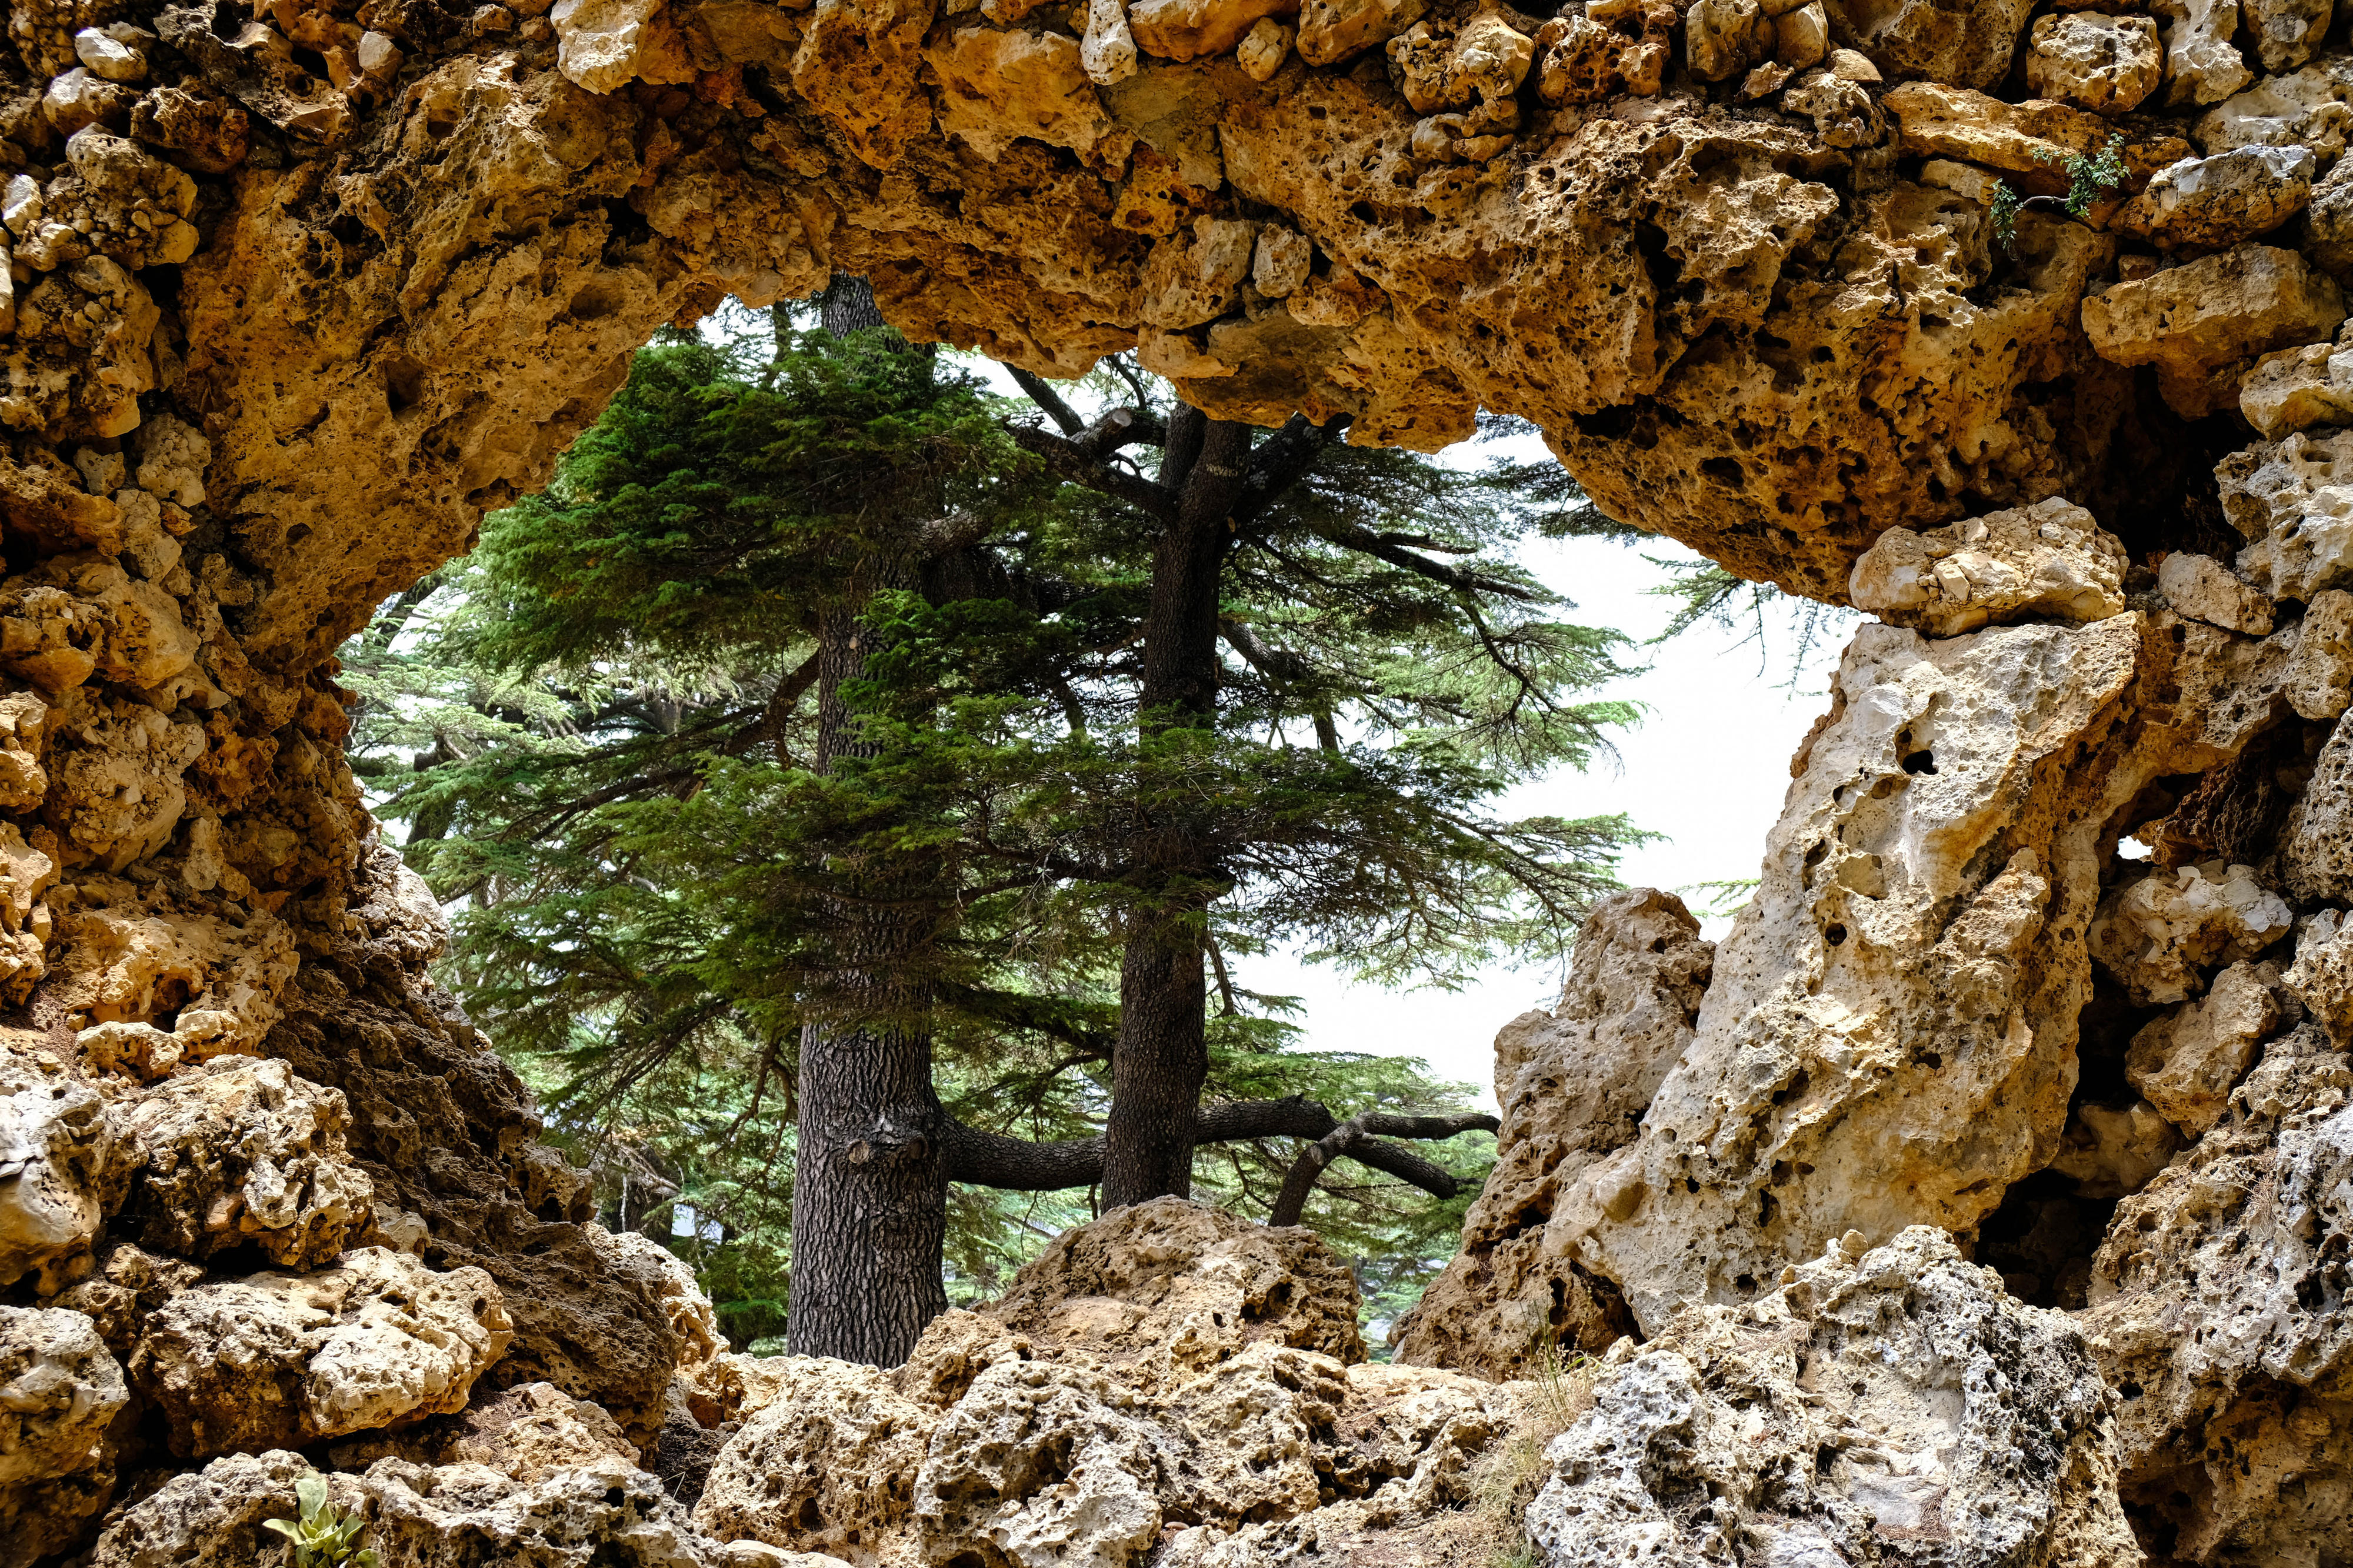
2041 1240
1920 761
1834 935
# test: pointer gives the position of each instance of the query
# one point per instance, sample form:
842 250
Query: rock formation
2017 326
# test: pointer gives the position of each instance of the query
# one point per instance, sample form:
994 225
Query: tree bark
1162 1060
869 1179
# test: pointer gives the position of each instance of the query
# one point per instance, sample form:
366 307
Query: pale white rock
2093 60
2319 678
1888 1037
2286 31
2201 65
1265 48
2203 589
173 457
2187 1063
2293 500
61 1169
2219 1307
2214 202
243 1153
827 1464
2315 854
2321 977
2050 560
1872 1400
605 1512
277 1358
1280 263
2155 935
2298 388
110 57
2310 108
60 1392
601 41
1573 1085
2109 1151
1107 50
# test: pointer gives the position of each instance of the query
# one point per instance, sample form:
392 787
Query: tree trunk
1162 1060
869 1179
847 305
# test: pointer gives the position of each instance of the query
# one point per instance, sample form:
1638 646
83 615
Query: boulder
2210 204
2187 1063
2317 847
1888 1037
456 1516
375 1341
60 1393
243 1153
1573 1085
2047 562
2197 323
2298 388
2201 63
2201 588
2292 501
2158 934
1888 1405
1918 39
61 1167
527 1433
2219 1309
2093 61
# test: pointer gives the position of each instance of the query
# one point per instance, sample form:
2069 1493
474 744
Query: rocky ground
1981 1198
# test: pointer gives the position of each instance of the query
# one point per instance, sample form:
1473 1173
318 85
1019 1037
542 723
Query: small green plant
323 1537
2088 180
1515 1471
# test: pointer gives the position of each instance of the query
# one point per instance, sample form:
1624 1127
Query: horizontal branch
1068 460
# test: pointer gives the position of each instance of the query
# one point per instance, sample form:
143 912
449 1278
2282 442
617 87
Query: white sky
1707 767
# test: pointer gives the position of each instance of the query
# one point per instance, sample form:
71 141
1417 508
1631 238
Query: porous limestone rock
62 1167
2321 976
455 1516
2293 500
271 1359
526 1432
2111 1150
2218 1311
1889 1405
2103 63
2309 108
2186 1062
60 1394
2158 934
2199 323
242 1153
2317 846
2298 388
2319 684
1167 1289
2210 204
125 1285
2047 562
2287 32
1888 1038
1573 1084
2202 589
2203 64
1117 1401
1915 39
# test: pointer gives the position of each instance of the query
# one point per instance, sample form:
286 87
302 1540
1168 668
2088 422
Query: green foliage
2089 179
600 730
322 1537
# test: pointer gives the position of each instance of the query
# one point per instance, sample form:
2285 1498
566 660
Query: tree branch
1069 461
1352 1138
1047 398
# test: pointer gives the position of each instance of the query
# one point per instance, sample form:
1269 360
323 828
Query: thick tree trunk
869 1179
1162 1060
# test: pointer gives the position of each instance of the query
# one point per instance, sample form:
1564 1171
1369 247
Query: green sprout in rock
2088 180
324 1538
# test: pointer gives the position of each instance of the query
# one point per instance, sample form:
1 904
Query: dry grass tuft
1514 1470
